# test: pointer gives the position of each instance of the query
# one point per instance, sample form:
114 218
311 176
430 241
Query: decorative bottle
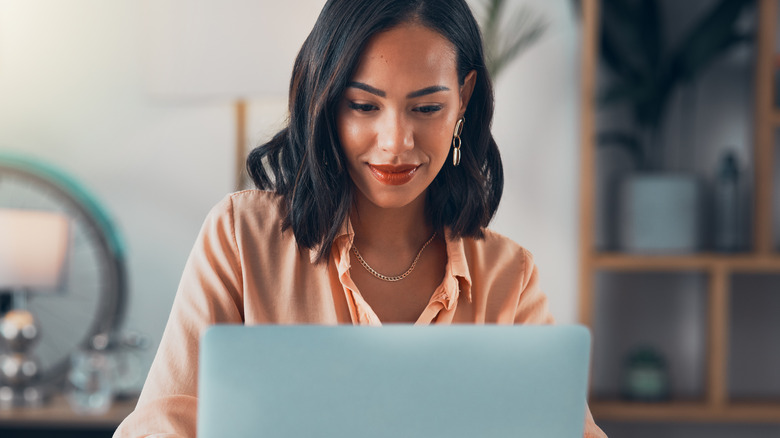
726 200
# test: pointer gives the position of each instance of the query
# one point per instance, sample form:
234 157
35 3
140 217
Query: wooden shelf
764 258
694 262
58 413
687 411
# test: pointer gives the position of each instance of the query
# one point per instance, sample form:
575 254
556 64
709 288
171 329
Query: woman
373 206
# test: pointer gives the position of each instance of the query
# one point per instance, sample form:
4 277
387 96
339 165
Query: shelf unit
56 414
715 405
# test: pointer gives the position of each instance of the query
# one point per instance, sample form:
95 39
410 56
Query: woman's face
397 115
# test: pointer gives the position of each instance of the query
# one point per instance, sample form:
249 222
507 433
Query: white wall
73 92
536 127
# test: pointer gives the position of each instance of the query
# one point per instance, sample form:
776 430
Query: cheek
353 135
436 136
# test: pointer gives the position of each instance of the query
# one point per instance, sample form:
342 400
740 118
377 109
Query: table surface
57 413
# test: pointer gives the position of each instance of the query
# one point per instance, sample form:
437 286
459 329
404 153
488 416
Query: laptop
395 381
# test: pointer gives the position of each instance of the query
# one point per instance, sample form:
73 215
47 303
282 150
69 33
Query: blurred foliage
506 40
647 70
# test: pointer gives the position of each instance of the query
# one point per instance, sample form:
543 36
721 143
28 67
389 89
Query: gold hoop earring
456 141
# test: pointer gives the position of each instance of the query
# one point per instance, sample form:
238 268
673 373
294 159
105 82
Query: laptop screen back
393 381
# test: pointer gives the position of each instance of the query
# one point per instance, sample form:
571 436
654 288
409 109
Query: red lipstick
393 175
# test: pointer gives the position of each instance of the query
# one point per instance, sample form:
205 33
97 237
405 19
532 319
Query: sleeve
210 292
532 304
532 309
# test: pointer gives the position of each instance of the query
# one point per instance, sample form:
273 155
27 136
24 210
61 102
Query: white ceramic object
660 213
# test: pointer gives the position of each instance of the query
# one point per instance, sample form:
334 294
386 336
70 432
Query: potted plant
505 41
658 211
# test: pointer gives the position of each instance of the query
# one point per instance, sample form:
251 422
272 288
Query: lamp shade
33 246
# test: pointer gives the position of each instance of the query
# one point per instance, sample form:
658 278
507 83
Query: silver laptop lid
393 381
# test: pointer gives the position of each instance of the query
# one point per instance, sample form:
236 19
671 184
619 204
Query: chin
391 202
392 198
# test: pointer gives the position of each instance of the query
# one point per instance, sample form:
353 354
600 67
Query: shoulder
248 213
249 202
496 259
249 205
498 248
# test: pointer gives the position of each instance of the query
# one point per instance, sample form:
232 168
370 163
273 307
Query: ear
465 91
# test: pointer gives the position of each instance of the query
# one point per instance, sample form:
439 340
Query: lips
393 175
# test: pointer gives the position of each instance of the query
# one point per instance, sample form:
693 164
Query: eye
427 109
362 107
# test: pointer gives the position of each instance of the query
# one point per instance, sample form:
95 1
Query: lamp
33 246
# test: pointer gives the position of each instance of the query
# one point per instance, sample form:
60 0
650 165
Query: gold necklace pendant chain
376 274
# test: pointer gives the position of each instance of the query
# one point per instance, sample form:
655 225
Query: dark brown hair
304 162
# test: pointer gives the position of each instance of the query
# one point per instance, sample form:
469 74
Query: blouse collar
457 267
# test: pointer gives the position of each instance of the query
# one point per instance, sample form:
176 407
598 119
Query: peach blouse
243 269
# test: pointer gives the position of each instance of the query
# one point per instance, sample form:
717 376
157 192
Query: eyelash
366 107
428 109
362 107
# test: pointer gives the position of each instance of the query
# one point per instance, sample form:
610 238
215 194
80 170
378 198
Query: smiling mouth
393 175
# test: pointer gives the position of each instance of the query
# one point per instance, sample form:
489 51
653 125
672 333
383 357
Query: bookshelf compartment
688 430
754 353
664 311
775 195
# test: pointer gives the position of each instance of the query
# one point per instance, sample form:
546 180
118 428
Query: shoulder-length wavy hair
304 162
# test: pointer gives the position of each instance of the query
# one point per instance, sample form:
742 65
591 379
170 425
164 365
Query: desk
57 419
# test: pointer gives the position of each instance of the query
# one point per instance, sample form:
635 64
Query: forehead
410 54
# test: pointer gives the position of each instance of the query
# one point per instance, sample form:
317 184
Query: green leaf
491 22
622 139
650 31
618 62
505 43
625 40
528 30
619 92
709 38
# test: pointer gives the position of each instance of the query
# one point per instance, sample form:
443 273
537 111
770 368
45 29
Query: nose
395 134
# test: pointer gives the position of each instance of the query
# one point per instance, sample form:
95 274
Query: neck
391 230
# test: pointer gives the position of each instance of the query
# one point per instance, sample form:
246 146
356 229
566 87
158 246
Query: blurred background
145 109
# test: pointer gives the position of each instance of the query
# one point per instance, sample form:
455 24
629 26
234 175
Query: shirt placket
441 307
359 310
444 301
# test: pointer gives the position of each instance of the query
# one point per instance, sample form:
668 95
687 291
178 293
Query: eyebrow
380 93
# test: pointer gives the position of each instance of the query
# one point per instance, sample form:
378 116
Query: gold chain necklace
376 274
